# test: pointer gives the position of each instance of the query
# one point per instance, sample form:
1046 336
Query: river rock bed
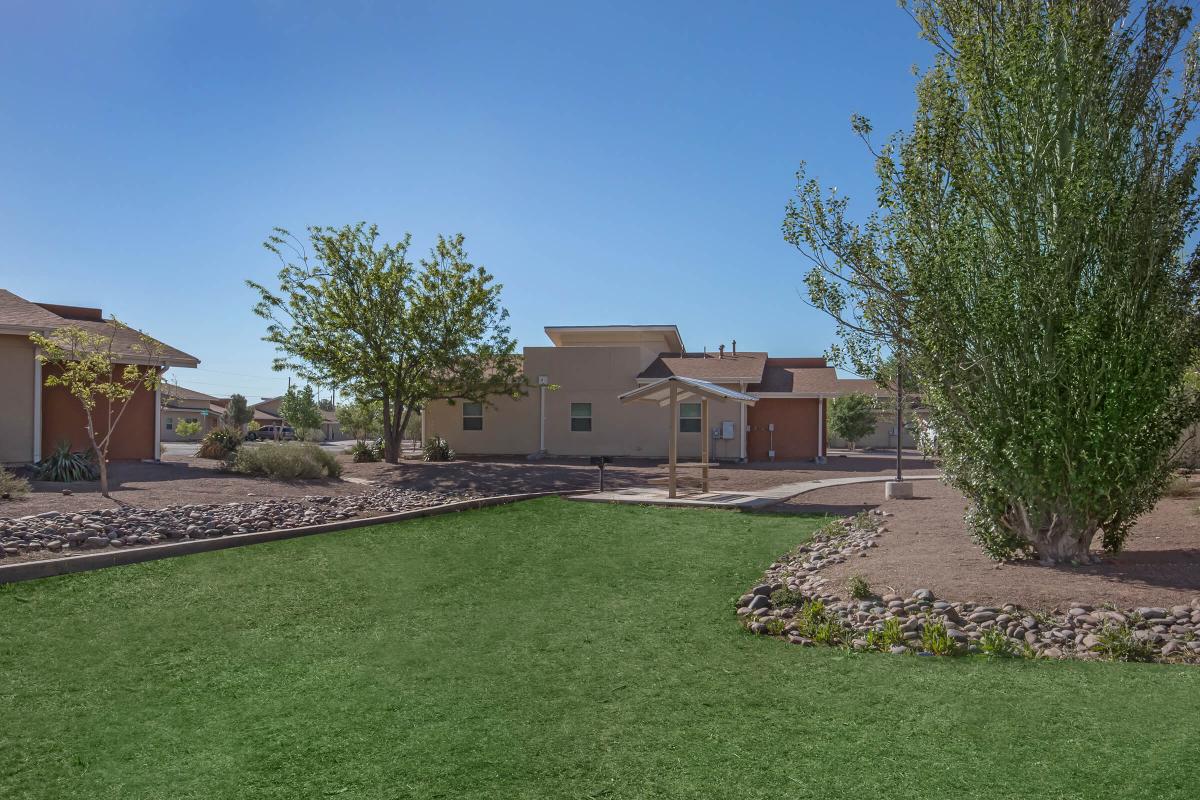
65 532
793 585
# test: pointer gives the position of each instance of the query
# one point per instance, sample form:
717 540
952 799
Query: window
170 423
472 416
689 417
581 417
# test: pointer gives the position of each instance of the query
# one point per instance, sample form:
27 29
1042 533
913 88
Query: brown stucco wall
63 418
795 435
16 400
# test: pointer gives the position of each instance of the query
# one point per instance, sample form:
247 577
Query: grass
542 650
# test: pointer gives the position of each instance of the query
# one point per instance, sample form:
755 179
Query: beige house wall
588 374
16 400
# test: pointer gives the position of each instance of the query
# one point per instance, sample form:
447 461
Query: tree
237 412
363 420
1040 208
299 409
325 404
186 428
858 276
361 315
89 367
852 416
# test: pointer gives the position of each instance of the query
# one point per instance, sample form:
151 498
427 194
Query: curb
116 557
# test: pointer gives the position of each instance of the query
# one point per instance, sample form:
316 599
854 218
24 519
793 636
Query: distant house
267 413
37 418
573 407
188 405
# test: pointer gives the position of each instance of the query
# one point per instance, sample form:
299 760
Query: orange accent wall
63 418
795 435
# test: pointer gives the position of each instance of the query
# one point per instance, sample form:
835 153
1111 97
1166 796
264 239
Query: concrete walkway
742 501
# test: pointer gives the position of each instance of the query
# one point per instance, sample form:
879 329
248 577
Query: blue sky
608 162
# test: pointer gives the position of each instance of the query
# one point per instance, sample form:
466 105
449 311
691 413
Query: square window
472 416
581 417
689 417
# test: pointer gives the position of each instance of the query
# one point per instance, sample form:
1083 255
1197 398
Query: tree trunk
103 475
390 450
1058 541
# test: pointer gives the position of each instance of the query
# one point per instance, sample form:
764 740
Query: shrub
1179 486
63 466
437 449
994 644
286 461
363 453
186 429
886 636
859 588
781 598
12 486
1117 643
936 640
220 443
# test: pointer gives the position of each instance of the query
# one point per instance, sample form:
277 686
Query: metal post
674 441
899 418
705 438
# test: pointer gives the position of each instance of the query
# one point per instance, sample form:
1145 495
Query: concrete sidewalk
742 501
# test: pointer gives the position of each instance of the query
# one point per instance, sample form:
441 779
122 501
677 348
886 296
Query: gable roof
730 368
21 317
686 388
805 376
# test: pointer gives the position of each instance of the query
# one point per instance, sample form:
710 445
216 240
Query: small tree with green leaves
88 366
300 410
238 412
187 428
361 419
359 314
852 416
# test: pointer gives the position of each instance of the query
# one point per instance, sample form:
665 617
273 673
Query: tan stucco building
573 409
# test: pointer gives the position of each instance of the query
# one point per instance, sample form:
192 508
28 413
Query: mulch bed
926 546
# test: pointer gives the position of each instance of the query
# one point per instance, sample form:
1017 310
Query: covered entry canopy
669 392
686 388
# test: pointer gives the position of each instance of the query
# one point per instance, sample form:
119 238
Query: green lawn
545 649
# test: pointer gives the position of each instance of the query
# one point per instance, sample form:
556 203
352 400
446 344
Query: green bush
12 486
782 598
994 644
859 588
363 453
437 449
185 429
220 443
887 636
936 640
286 461
1117 643
63 466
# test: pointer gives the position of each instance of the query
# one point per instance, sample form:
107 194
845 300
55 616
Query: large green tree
852 416
1038 214
300 410
357 313
237 411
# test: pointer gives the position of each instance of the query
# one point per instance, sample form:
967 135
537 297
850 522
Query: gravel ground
926 545
188 480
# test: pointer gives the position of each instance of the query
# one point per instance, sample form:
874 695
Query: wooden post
674 445
705 438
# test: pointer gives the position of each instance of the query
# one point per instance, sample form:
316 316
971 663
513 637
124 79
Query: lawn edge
86 562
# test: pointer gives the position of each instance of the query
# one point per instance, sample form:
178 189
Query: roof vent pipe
735 347
721 351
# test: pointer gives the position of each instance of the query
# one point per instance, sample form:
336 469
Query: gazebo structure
671 391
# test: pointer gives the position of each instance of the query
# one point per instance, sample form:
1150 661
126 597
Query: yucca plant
437 449
63 466
220 443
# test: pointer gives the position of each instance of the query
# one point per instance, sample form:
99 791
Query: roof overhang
686 389
558 333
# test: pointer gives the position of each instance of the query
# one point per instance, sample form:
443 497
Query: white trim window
689 418
170 422
581 417
472 416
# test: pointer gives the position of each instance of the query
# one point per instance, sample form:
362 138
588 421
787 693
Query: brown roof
171 391
17 312
784 377
862 386
21 316
712 367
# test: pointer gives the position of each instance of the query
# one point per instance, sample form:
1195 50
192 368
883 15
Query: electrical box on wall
727 429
